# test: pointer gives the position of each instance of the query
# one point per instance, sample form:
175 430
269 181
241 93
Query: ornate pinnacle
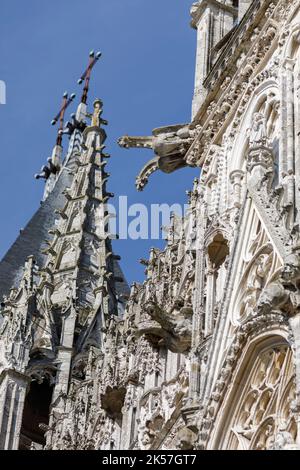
96 122
96 119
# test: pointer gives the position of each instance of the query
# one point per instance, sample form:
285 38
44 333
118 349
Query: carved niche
258 265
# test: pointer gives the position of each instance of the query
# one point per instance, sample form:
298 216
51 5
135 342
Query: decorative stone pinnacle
96 119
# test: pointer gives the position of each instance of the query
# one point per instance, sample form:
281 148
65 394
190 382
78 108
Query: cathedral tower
213 21
58 304
205 352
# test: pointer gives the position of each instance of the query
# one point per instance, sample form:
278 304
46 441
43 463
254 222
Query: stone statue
258 131
96 119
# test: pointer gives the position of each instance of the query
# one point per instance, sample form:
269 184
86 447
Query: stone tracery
162 373
263 413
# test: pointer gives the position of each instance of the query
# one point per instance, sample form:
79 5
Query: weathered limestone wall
206 355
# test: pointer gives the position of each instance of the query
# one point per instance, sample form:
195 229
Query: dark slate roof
32 239
122 288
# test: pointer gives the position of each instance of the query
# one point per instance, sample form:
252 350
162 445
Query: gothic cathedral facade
205 353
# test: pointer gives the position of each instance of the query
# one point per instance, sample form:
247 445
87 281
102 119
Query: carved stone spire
59 310
79 256
50 172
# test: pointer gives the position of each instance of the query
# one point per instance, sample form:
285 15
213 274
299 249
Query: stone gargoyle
170 144
283 294
172 329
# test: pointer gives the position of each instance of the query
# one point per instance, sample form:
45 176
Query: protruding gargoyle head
124 142
170 145
127 142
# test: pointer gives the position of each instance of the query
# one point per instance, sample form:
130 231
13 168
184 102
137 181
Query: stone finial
96 119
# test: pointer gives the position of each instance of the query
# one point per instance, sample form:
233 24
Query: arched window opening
218 251
36 414
262 418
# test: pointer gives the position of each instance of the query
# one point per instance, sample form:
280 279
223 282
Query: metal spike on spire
86 76
54 161
61 114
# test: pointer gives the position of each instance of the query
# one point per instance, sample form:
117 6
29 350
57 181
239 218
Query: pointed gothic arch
256 411
257 264
292 41
264 100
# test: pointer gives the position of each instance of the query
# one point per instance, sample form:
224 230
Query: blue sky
145 79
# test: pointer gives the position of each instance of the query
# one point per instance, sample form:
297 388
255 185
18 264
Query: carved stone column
287 131
64 356
295 327
289 67
210 299
212 188
129 418
235 202
198 307
13 386
290 130
297 142
220 197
